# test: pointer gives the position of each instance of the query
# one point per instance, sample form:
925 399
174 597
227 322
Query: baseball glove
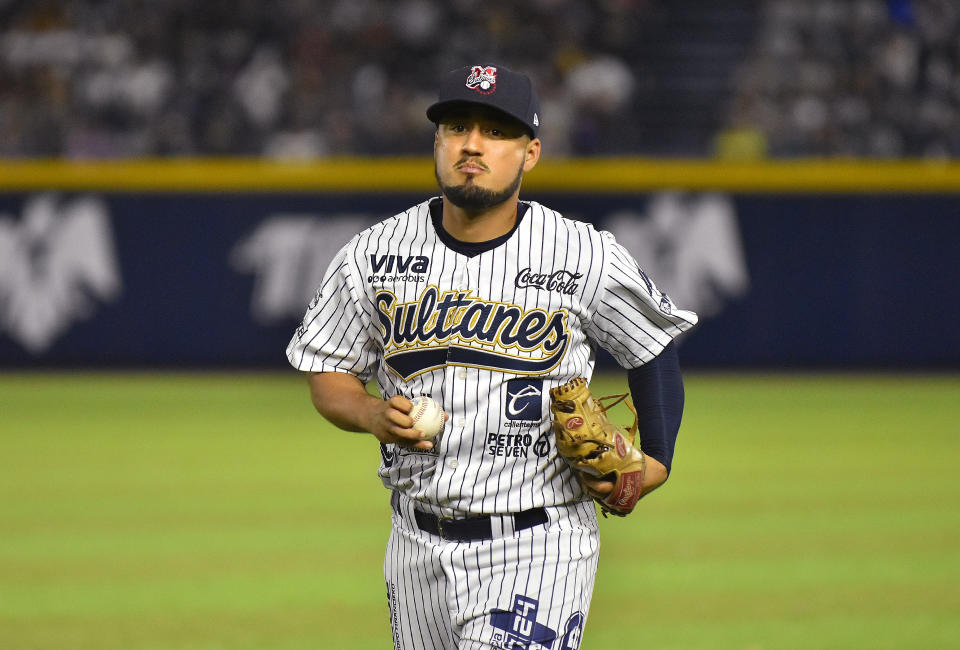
594 446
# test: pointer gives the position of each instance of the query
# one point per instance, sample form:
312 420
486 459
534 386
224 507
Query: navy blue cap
489 85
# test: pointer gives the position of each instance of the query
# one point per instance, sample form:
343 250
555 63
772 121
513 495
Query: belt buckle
440 530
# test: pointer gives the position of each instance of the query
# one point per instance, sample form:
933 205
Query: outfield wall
211 263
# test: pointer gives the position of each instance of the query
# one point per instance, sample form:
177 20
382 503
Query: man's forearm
342 399
657 391
654 475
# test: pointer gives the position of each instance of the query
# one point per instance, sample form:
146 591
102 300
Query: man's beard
474 198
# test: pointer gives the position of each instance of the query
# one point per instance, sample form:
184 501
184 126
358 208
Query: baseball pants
525 585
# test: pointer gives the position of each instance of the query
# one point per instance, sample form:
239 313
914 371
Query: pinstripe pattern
400 306
442 593
615 306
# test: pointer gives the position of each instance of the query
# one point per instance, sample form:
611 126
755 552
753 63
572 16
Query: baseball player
486 303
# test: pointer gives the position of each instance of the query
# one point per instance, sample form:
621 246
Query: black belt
474 528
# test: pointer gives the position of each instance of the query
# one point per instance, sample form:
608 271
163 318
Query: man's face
481 156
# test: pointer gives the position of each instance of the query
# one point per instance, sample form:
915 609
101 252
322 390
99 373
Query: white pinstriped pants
522 589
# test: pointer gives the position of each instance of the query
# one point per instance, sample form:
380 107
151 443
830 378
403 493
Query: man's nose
473 143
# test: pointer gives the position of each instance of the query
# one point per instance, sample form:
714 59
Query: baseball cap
489 85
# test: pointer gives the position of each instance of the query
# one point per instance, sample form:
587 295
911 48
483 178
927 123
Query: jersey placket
461 400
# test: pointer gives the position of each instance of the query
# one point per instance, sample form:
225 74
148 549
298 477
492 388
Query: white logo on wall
690 246
288 255
55 263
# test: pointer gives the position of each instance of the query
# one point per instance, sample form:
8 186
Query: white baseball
427 416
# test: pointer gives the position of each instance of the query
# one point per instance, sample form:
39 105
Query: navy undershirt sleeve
657 392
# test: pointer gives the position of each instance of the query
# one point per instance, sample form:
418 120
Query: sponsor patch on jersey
390 453
387 455
542 446
511 445
562 281
483 79
518 628
398 268
666 305
524 400
393 604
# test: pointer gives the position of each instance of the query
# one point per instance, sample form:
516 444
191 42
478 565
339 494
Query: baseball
427 416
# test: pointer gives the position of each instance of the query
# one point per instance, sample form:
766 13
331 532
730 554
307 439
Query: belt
474 528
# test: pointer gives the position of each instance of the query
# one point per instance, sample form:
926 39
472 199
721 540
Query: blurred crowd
289 79
299 79
852 78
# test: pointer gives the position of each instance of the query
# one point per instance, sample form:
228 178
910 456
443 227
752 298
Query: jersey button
462 373
452 463
460 422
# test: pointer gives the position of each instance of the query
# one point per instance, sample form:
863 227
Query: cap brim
436 112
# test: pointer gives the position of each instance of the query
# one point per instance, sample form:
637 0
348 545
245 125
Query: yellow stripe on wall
416 175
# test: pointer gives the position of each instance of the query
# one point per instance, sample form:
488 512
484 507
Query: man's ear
531 155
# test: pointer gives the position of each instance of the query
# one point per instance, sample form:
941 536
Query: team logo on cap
483 80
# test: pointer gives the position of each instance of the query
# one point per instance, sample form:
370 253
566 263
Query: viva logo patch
399 263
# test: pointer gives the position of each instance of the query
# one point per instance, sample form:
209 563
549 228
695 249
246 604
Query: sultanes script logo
56 262
456 328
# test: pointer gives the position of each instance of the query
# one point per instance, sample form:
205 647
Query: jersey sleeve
333 336
632 319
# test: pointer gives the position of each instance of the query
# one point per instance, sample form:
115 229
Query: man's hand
654 476
344 401
389 422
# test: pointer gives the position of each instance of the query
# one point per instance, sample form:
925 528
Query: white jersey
487 336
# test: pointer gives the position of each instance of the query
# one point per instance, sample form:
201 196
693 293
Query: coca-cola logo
561 281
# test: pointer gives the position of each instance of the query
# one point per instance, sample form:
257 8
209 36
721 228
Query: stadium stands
301 79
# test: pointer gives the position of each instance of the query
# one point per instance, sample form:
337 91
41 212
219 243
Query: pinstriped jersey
487 336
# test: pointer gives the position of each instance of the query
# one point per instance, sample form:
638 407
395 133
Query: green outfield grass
198 512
